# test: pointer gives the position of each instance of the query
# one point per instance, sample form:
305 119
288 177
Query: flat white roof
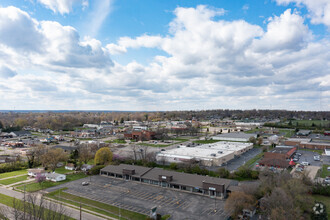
195 152
226 145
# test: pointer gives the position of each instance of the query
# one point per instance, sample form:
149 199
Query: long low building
214 154
234 136
204 185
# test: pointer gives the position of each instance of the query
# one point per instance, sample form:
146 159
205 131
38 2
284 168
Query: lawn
14 173
325 172
62 170
325 200
95 206
33 187
9 201
205 141
13 180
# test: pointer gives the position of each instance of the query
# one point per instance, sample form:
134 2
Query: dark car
85 183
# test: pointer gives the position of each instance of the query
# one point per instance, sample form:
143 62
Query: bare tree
85 154
52 157
34 207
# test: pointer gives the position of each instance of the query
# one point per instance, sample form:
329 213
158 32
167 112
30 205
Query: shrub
96 170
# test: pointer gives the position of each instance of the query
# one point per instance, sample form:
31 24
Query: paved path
74 213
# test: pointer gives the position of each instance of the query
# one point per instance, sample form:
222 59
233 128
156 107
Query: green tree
103 156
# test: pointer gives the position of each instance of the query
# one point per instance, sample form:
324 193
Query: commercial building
140 135
214 154
236 136
319 143
204 185
278 157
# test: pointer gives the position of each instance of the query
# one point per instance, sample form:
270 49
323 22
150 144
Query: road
74 213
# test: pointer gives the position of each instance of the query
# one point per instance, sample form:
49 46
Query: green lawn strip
33 187
250 162
13 180
9 201
205 141
62 170
97 205
325 172
325 200
165 217
315 151
154 145
14 173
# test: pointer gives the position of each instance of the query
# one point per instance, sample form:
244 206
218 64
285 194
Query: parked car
298 154
327 180
316 157
328 168
295 159
85 183
305 163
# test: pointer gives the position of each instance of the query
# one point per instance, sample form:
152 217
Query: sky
156 55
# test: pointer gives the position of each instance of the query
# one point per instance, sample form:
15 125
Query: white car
85 183
305 163
328 168
317 158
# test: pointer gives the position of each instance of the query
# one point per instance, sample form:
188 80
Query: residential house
35 172
55 177
69 166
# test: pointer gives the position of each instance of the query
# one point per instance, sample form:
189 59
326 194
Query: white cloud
63 6
209 62
98 15
319 9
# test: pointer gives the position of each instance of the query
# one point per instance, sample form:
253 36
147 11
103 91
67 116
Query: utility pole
24 202
80 212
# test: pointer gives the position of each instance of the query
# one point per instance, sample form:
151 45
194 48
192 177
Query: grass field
33 187
325 172
14 173
102 208
13 180
9 201
325 200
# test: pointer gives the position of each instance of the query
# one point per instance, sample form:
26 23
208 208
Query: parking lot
308 156
141 198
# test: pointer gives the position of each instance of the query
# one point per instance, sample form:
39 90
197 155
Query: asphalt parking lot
235 163
308 156
141 198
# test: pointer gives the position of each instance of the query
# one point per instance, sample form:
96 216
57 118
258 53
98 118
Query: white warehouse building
214 154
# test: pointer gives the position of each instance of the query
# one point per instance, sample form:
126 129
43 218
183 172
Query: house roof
53 175
139 170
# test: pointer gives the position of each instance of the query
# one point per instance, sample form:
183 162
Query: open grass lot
102 208
9 201
13 180
325 200
317 123
325 172
14 173
33 187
